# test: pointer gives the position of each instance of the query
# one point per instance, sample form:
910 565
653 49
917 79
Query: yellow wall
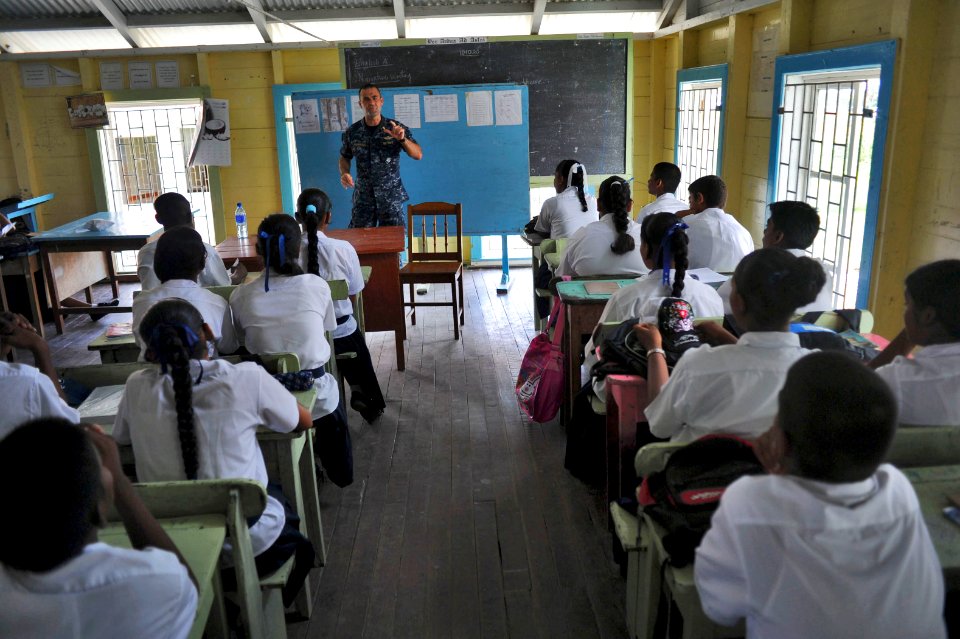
8 172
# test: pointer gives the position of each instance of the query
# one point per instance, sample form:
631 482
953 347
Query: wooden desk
378 248
200 540
75 258
25 265
582 312
933 484
626 401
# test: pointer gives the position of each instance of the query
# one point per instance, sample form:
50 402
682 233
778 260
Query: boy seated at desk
31 392
178 263
173 210
832 543
717 239
927 386
56 579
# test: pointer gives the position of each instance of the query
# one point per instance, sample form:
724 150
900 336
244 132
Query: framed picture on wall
87 110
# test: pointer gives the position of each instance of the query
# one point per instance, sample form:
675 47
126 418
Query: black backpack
684 495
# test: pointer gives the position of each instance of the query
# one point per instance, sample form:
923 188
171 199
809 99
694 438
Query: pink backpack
540 382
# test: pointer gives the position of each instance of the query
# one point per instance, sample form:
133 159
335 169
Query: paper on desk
101 406
707 275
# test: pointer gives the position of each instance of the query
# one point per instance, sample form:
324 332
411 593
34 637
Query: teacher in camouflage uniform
376 142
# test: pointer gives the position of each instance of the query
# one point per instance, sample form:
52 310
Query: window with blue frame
826 149
701 93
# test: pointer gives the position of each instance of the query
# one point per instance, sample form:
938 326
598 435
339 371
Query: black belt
343 320
317 373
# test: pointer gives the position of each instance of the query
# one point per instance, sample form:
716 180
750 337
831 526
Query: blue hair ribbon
186 334
282 241
311 209
665 249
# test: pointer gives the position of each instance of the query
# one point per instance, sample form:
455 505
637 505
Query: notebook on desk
601 287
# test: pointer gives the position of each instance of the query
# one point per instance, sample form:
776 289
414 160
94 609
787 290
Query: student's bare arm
901 345
141 526
305 421
657 373
26 337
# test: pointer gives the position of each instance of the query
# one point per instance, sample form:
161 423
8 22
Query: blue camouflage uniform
378 194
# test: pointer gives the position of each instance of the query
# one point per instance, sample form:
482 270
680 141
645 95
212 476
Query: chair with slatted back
437 255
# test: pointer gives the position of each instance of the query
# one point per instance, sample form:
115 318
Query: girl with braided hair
191 417
333 259
572 207
606 247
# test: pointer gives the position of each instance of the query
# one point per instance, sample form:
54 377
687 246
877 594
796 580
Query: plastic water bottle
241 217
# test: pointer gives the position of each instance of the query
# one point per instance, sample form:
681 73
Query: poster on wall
87 110
111 76
35 75
168 74
141 75
211 143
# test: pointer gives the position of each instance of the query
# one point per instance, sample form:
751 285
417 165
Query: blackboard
577 89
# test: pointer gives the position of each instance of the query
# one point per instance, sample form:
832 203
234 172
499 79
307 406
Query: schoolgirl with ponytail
333 259
572 207
607 246
732 386
663 246
191 417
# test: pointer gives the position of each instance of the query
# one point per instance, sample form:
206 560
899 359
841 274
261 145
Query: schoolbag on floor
684 495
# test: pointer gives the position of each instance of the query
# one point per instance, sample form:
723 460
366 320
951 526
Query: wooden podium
378 248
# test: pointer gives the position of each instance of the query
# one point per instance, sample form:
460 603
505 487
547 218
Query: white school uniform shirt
31 395
212 307
642 300
728 389
927 387
717 240
229 403
588 251
338 260
666 203
214 273
824 301
562 214
290 318
104 591
799 558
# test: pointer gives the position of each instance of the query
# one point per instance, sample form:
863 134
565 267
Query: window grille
699 117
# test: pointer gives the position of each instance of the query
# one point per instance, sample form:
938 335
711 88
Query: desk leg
52 293
311 500
293 491
114 283
217 621
398 338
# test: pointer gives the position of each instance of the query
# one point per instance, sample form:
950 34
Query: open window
701 93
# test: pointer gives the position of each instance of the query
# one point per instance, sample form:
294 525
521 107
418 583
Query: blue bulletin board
483 164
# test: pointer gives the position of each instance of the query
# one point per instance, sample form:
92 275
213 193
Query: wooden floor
461 521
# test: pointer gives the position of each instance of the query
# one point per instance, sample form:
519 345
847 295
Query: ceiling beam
666 15
539 6
255 10
732 7
398 12
119 21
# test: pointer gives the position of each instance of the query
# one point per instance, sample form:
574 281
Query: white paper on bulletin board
479 108
111 76
141 75
508 107
211 144
35 75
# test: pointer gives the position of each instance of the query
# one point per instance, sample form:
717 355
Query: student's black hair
838 417
173 209
311 220
614 197
653 230
775 283
180 255
798 221
268 243
51 473
669 174
370 85
171 330
563 169
713 190
937 285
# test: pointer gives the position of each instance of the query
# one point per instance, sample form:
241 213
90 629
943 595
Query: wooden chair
647 574
432 259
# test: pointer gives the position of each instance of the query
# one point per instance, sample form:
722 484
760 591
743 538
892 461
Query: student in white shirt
732 387
57 581
606 247
832 543
172 210
662 184
572 207
717 239
663 245
927 386
792 226
31 392
333 259
196 418
178 262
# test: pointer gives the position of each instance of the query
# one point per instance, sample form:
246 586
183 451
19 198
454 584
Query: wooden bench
916 446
